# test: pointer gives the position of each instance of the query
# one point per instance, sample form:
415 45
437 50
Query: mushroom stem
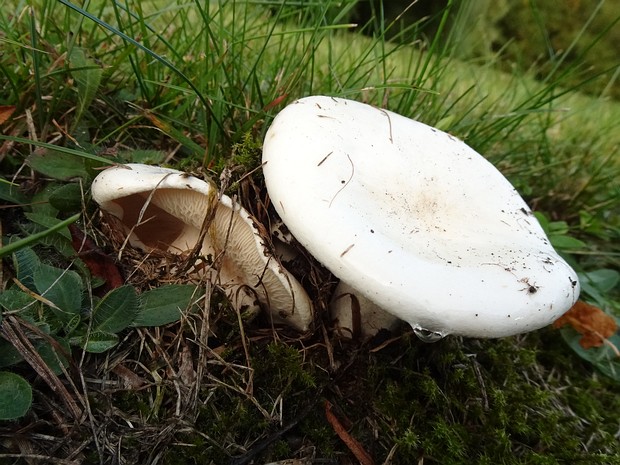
357 317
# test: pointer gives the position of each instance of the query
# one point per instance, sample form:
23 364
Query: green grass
195 86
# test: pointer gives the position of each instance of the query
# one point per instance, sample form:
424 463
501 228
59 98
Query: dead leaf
275 102
99 263
5 112
186 372
591 322
129 378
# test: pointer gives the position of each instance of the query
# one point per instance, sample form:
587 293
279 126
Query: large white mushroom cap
165 209
413 219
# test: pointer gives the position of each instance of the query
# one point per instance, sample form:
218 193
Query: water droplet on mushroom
426 335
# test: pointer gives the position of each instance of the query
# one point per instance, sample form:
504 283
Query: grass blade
149 52
33 238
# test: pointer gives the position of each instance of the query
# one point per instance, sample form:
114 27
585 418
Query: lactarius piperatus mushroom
356 316
165 209
414 220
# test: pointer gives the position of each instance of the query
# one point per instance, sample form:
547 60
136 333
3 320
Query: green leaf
9 355
565 242
604 279
165 304
87 75
15 396
604 358
593 224
544 222
446 123
558 228
148 157
40 201
57 165
100 161
54 358
95 342
48 222
99 342
10 192
33 238
597 284
149 52
26 263
62 287
116 311
67 198
73 323
14 300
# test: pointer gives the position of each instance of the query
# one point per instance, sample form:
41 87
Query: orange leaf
5 112
591 322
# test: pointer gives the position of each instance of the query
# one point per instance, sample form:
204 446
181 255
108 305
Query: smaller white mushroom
166 209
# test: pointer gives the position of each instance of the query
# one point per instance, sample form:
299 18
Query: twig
43 458
353 444
12 332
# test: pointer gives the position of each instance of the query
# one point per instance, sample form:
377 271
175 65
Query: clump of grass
195 86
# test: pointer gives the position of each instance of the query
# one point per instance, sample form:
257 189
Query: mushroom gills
165 210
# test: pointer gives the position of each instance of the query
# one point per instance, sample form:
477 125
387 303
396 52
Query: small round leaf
15 396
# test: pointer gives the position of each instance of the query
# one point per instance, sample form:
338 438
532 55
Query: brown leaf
129 378
353 444
5 112
186 372
99 263
591 322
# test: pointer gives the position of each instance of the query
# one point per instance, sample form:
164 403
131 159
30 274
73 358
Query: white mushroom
356 317
165 209
413 219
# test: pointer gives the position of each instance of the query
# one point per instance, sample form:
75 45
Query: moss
245 156
456 401
283 368
490 401
317 432
232 416
553 36
547 37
